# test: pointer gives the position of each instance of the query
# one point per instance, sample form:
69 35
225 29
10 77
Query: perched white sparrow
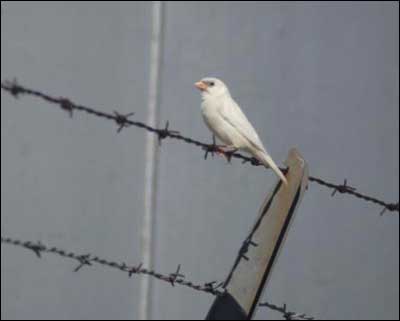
227 121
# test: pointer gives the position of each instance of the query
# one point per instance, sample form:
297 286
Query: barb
286 314
16 90
215 288
164 133
122 120
174 276
343 188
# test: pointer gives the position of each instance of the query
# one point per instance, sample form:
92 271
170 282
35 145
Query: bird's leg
227 151
224 150
213 148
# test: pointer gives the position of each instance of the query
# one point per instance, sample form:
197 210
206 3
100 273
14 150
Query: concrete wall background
321 77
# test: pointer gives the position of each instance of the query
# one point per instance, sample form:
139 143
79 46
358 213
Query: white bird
226 120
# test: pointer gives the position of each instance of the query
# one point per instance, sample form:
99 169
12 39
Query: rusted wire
122 122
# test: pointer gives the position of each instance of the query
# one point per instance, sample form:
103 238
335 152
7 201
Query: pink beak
201 85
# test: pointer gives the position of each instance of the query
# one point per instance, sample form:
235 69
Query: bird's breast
215 122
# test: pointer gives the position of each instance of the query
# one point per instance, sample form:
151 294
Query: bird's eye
211 83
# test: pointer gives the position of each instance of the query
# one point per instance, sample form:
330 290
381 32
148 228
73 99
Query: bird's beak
201 85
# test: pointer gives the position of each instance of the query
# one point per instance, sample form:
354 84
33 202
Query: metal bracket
258 254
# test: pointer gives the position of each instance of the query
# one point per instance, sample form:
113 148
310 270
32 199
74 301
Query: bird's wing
232 113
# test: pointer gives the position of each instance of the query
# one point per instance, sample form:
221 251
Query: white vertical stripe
151 159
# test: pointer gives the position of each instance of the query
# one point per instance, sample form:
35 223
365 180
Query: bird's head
211 87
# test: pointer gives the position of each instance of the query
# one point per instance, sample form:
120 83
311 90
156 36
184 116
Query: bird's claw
212 148
226 151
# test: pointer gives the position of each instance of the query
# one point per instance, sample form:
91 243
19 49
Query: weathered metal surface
258 254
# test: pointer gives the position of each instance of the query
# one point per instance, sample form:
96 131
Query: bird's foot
212 148
226 151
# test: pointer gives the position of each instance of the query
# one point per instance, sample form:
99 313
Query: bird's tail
267 161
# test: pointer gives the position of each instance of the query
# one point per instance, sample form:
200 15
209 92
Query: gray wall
321 77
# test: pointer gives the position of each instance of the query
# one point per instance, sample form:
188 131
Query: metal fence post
258 253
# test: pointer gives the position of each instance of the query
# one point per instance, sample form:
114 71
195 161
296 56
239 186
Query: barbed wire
86 260
287 314
123 121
